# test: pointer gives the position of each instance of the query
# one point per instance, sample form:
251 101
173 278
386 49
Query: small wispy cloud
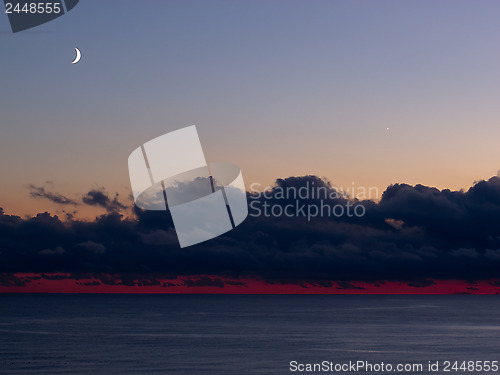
39 192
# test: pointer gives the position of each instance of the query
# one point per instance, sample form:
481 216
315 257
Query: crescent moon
78 56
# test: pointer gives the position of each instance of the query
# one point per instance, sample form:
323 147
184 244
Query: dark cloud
415 233
40 192
95 247
95 197
99 198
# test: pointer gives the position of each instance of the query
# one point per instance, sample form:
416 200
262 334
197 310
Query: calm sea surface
168 334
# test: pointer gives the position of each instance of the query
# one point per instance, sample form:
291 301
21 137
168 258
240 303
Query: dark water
160 334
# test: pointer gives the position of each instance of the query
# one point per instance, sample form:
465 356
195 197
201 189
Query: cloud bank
414 233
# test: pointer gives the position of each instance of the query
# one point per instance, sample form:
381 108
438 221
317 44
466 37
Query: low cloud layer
414 233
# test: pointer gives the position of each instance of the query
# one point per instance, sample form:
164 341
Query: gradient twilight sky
279 88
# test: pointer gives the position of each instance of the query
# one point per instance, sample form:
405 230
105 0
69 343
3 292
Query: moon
78 56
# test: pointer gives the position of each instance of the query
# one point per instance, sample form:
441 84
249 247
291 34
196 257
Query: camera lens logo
170 172
25 14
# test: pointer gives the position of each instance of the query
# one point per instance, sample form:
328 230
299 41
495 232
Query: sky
370 92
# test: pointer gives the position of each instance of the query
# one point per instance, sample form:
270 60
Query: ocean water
214 334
